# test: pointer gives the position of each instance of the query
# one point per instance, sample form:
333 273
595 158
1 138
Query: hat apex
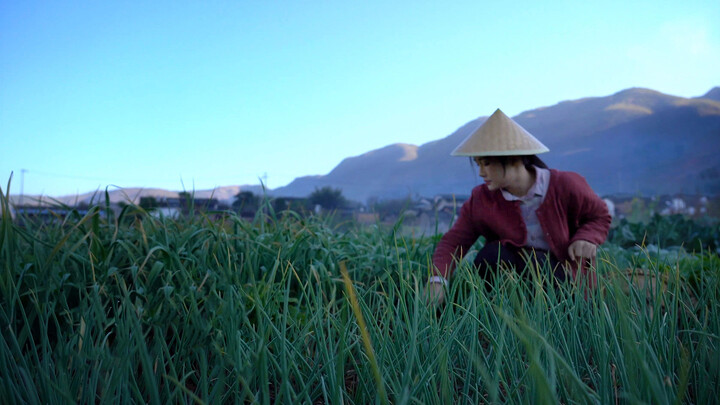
499 135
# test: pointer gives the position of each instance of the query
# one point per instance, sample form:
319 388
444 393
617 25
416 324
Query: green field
216 309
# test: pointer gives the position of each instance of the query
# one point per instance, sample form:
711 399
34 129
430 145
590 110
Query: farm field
293 309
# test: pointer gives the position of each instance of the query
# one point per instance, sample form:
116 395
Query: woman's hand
435 293
582 249
583 252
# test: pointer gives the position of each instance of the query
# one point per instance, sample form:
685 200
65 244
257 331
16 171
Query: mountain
713 94
634 141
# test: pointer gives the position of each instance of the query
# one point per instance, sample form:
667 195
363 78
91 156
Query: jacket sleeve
589 220
592 217
456 242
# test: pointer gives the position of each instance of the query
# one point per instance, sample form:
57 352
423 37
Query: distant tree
186 200
246 202
328 198
280 204
713 207
148 203
289 204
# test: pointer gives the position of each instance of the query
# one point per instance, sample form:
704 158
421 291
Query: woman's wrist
438 279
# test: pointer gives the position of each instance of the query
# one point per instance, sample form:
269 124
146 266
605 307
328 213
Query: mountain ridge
713 94
636 141
225 194
624 126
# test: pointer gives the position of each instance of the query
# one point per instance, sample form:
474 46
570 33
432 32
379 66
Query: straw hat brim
499 135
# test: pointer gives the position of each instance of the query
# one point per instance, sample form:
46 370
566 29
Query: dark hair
527 160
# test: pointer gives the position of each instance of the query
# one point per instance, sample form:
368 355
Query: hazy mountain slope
650 155
713 94
394 172
634 141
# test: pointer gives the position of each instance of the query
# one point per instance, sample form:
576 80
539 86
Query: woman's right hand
435 293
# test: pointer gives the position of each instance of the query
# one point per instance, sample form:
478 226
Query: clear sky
215 93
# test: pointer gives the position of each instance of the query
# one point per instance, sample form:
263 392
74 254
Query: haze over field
176 96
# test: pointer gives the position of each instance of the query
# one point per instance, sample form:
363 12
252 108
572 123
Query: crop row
137 309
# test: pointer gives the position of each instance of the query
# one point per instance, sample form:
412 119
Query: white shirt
529 203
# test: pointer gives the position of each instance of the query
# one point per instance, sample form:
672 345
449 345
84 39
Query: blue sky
213 93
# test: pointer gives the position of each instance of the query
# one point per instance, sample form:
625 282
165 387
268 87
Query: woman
525 211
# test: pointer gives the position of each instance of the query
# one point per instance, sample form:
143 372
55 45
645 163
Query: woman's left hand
582 249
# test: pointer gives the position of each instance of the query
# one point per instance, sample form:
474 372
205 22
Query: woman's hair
527 160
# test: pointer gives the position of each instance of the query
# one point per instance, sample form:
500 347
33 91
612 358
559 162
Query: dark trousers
495 254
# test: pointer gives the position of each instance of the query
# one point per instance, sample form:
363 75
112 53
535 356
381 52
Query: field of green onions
213 308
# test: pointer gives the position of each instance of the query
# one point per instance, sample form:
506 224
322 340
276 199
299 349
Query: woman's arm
456 242
592 214
593 220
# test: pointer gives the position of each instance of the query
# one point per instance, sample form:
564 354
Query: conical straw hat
500 136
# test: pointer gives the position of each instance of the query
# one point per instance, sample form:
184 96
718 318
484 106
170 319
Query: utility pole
22 185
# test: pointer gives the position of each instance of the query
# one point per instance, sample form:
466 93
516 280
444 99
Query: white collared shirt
529 203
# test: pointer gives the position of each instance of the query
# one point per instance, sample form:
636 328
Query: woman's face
492 172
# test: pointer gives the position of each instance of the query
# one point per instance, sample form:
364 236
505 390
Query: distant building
449 203
183 205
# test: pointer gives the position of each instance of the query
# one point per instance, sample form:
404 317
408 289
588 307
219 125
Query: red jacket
570 211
